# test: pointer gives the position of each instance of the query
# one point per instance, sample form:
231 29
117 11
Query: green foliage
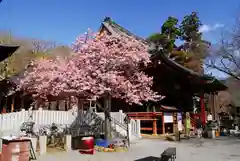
188 34
189 28
159 39
169 34
170 28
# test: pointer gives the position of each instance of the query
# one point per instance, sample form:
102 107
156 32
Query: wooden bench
169 154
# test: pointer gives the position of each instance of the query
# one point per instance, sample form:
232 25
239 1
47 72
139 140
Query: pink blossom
100 65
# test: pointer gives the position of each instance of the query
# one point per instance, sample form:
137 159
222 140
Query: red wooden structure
150 116
178 83
156 119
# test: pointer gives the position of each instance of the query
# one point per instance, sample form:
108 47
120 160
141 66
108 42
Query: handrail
118 123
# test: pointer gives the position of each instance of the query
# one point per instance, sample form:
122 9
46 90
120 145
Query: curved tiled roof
116 29
6 51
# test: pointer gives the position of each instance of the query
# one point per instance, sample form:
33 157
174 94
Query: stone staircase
120 128
117 129
92 123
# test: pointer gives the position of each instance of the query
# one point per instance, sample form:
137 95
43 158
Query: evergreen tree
193 48
194 45
168 35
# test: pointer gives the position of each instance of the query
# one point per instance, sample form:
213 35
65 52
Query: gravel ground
221 149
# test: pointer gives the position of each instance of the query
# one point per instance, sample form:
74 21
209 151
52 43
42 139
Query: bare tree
29 50
226 56
42 46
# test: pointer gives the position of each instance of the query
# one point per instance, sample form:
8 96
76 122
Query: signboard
179 121
168 118
209 117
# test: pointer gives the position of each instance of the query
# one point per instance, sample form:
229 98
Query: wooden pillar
49 105
6 105
203 116
216 106
163 125
212 109
65 105
22 103
12 105
57 105
1 105
154 127
174 122
4 108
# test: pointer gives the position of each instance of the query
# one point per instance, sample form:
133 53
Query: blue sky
63 20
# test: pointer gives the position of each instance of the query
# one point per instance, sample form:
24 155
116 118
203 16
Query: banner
179 118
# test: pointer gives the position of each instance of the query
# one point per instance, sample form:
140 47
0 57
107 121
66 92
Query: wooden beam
147 128
144 114
142 118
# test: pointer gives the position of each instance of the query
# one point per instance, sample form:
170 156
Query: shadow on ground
223 140
150 158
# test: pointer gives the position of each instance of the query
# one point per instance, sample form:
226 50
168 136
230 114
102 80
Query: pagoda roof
211 83
6 51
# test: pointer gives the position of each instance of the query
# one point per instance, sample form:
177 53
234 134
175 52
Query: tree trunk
107 109
66 105
57 105
80 103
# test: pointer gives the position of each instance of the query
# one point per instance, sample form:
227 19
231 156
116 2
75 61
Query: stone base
68 142
170 138
43 144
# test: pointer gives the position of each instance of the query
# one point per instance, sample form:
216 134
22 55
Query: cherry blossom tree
45 78
101 66
113 65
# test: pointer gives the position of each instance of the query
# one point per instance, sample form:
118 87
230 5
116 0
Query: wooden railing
144 115
118 121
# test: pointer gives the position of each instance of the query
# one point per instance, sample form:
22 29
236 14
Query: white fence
11 122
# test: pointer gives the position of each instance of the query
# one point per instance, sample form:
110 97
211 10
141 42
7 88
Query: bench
169 154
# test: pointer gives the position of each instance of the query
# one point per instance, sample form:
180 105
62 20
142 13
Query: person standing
199 127
188 125
179 127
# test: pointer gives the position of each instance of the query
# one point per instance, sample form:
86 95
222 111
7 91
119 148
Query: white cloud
208 28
